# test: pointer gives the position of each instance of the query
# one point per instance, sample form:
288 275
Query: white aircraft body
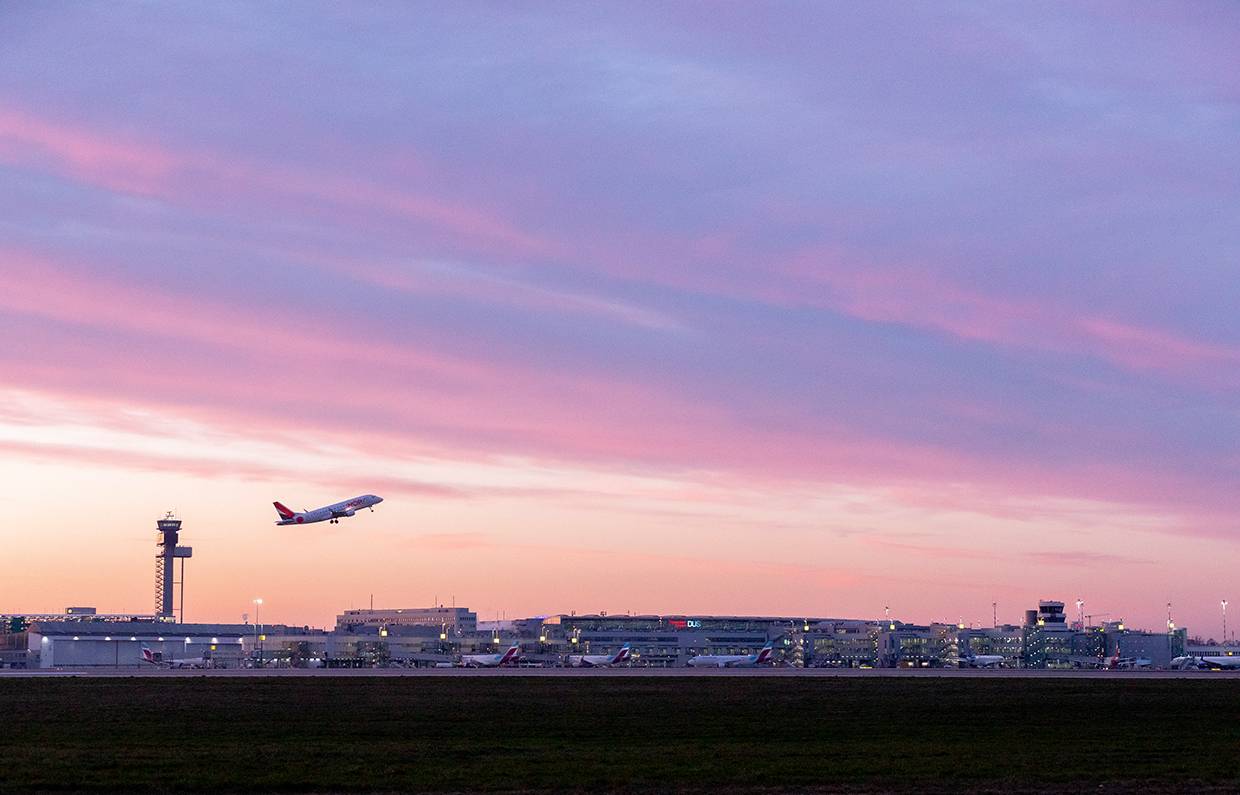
329 513
733 660
492 660
982 661
192 662
599 660
1227 663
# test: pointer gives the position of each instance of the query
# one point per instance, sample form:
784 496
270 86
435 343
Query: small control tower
167 551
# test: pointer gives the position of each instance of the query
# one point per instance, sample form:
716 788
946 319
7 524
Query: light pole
258 603
1224 622
1080 612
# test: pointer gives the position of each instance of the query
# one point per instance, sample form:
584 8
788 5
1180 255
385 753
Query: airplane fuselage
1189 662
196 662
491 660
599 660
731 660
190 662
328 513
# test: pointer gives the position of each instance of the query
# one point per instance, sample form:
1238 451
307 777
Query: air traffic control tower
167 551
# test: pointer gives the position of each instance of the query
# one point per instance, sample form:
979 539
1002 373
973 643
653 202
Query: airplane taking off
733 660
330 513
192 662
492 660
599 660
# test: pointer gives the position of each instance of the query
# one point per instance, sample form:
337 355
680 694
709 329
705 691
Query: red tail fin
284 512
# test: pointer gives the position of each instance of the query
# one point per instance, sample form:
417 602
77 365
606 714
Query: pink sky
690 308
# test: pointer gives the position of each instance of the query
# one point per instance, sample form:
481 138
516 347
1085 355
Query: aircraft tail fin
283 510
148 655
765 654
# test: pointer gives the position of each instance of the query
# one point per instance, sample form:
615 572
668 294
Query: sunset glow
692 308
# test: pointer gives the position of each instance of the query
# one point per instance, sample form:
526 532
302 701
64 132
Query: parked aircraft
330 513
599 660
192 662
492 660
982 661
1128 663
1188 663
733 660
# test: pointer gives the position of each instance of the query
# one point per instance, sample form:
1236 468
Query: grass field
328 734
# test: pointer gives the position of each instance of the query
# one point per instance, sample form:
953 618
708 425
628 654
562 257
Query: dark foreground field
756 734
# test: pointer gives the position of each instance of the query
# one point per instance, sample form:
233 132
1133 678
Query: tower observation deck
167 551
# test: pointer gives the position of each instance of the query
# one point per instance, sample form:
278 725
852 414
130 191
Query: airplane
330 513
1132 663
492 660
733 660
599 660
1228 663
1128 663
192 662
982 661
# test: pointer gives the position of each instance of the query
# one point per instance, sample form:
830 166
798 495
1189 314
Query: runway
624 673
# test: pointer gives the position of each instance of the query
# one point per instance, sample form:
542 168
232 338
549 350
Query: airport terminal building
438 636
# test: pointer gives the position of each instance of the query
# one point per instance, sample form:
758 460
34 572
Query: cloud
1088 559
737 270
931 300
203 179
29 140
216 468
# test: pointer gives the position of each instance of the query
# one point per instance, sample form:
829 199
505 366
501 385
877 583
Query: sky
784 308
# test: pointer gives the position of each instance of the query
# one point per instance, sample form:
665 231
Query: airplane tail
281 509
514 651
623 654
765 654
148 655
